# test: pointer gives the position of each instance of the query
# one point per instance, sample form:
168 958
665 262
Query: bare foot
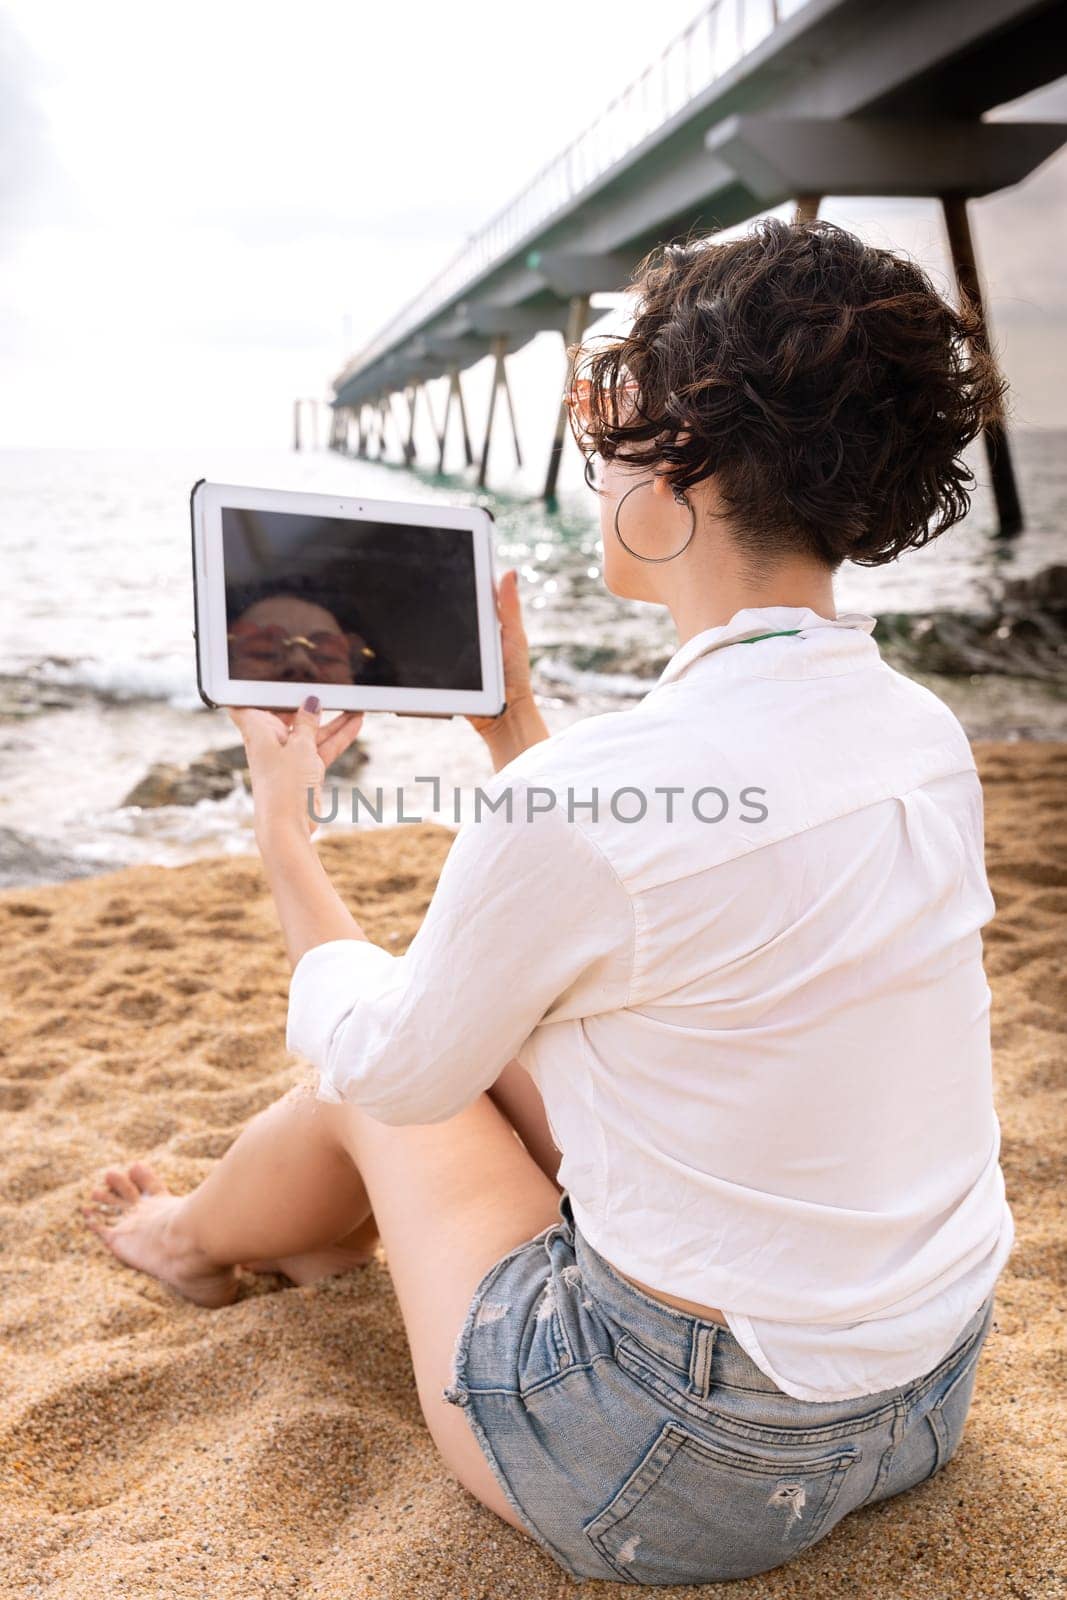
140 1221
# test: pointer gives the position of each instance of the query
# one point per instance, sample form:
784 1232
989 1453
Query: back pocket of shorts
946 1416
693 1511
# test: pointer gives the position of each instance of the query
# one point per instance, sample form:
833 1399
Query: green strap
786 633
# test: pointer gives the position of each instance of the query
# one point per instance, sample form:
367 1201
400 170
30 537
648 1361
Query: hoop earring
680 499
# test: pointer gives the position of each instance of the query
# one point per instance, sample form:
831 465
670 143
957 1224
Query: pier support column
441 434
511 413
499 345
397 422
429 403
468 452
995 438
577 318
455 388
410 395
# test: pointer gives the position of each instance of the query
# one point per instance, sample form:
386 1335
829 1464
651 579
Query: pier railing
723 33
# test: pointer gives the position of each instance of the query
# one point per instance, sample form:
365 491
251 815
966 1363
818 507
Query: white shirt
761 1032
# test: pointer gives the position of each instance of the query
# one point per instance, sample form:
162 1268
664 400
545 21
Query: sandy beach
150 1449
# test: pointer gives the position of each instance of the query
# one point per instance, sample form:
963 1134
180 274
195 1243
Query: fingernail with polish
311 703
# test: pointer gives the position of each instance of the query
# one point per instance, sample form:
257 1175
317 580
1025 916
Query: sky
205 208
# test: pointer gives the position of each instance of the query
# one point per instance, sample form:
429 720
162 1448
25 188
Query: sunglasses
577 399
268 643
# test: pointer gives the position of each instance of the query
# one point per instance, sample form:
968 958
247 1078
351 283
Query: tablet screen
312 599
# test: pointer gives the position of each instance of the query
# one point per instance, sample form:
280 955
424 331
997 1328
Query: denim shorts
639 1444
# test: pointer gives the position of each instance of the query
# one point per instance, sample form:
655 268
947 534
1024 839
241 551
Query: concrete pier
753 109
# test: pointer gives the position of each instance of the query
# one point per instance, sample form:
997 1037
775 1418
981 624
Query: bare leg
450 1199
304 1196
516 1095
316 1223
355 1249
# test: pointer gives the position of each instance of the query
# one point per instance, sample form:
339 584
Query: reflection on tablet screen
332 600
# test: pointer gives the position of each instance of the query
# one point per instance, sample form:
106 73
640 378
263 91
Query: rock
1047 589
233 756
213 776
348 762
157 786
25 861
1023 634
169 784
25 697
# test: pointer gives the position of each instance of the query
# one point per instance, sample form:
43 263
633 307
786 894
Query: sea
97 669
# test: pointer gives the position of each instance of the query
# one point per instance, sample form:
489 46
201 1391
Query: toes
96 1224
147 1179
123 1185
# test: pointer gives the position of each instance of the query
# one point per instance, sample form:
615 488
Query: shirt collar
756 620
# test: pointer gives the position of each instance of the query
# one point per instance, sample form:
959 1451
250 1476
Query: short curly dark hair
824 382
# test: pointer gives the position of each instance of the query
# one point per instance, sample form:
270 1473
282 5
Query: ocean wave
171 679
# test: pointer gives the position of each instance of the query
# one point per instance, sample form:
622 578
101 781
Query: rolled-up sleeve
528 924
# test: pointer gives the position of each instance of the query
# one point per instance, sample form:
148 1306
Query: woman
716 960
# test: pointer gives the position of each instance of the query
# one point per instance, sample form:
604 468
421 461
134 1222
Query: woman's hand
520 724
287 756
515 649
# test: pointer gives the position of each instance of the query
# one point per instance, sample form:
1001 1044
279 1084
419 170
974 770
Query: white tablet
373 605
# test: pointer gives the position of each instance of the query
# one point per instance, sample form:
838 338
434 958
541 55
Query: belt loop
700 1358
